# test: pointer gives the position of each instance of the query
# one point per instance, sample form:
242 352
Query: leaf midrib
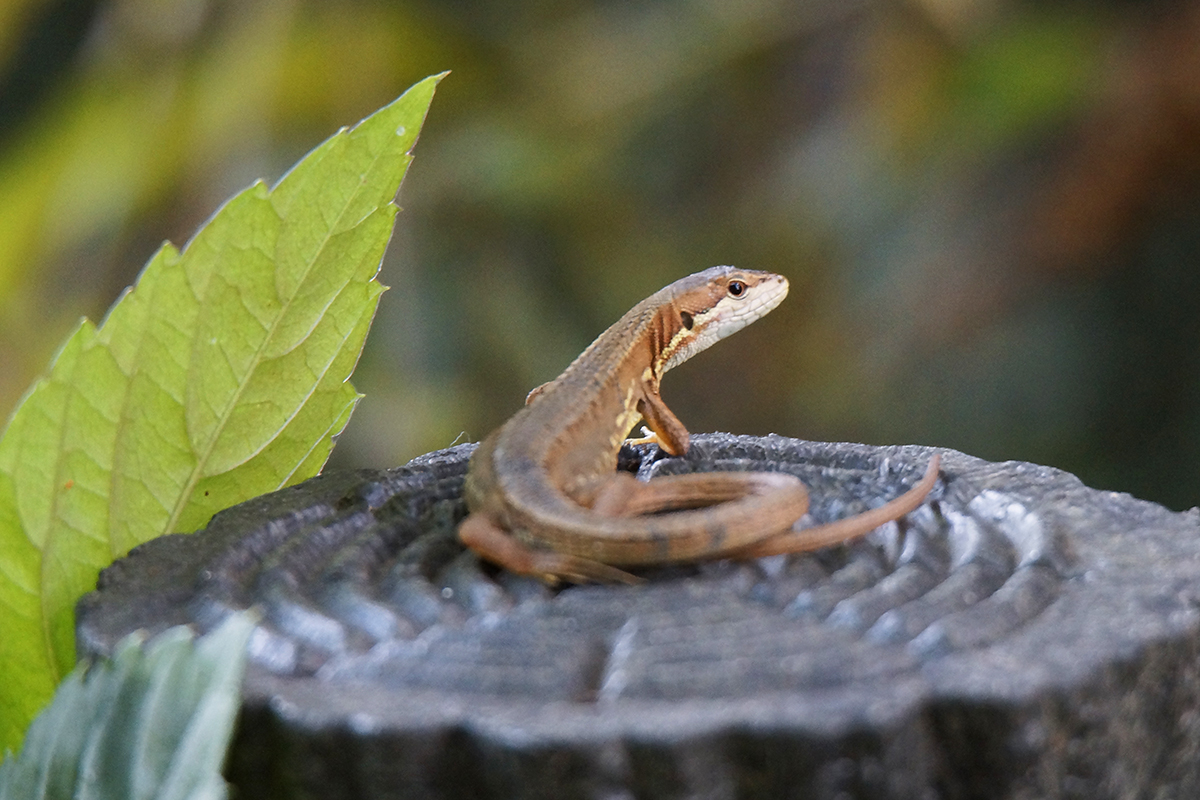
205 453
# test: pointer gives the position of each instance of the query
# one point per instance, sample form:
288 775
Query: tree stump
1018 636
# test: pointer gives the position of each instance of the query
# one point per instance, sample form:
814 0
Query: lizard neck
575 427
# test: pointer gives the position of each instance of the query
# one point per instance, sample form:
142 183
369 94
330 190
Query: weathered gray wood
1020 636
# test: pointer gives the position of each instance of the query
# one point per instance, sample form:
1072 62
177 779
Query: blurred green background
989 211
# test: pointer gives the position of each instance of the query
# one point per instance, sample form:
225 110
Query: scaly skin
543 491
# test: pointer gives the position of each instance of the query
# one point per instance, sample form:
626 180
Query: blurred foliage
151 723
988 210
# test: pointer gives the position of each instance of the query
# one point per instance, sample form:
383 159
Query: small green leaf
152 722
223 374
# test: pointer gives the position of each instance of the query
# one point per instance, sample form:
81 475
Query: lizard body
543 492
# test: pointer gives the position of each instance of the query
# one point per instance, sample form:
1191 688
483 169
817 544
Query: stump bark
1018 636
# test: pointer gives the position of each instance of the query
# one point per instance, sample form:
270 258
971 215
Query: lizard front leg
670 434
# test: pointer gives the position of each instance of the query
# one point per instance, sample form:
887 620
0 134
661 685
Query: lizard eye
686 319
737 288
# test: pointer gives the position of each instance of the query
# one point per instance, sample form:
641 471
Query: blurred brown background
989 211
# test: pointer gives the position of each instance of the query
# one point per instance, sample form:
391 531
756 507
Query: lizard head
712 304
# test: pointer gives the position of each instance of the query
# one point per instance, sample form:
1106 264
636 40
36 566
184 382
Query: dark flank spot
521 465
716 538
662 545
687 320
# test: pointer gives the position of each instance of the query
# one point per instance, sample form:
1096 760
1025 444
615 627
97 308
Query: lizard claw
648 437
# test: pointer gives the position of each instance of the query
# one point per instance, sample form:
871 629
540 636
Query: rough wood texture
1019 636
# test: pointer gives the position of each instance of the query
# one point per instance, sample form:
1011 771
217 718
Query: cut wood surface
1019 635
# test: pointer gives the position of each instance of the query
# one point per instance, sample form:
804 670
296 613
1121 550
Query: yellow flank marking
679 340
624 420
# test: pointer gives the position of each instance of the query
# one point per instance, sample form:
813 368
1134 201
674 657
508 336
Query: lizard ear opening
687 320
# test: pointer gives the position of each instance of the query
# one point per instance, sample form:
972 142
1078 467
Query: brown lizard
545 497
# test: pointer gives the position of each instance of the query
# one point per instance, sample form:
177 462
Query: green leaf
152 722
222 375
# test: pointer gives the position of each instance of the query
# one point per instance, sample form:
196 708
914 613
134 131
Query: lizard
543 493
